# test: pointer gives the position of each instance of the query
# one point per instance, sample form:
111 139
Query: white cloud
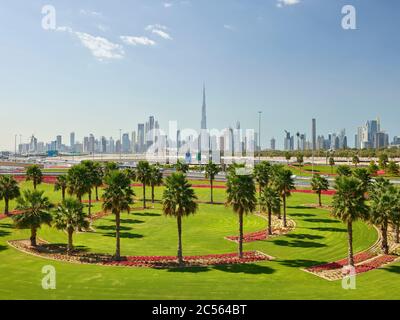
167 4
101 48
90 13
282 3
229 27
159 30
144 41
102 27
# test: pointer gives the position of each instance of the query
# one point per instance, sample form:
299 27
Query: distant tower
314 134
203 110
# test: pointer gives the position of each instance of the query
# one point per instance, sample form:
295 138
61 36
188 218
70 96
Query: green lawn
317 238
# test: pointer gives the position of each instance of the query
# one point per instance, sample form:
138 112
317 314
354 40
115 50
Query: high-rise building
314 135
126 143
72 141
273 144
203 110
58 143
140 137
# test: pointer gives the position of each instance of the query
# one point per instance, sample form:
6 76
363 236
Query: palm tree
34 174
364 176
109 166
356 160
118 196
349 206
241 195
156 179
143 175
61 184
319 184
79 182
35 209
270 201
284 183
300 161
94 177
343 170
262 174
70 217
332 163
179 200
383 208
211 170
288 156
98 174
181 167
9 190
395 219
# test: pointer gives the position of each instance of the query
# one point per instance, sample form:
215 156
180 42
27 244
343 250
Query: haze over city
109 67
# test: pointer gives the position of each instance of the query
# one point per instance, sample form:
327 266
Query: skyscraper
72 141
314 134
204 111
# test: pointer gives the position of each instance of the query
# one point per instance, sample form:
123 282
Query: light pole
259 136
120 145
15 148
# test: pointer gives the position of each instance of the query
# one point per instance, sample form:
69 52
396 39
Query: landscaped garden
280 265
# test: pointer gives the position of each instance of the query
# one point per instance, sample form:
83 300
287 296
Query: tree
241 195
61 184
343 170
34 174
393 168
156 179
319 184
109 166
395 219
70 217
364 176
288 156
349 206
143 175
35 209
270 201
383 206
300 160
262 174
118 197
211 170
373 168
356 160
94 177
284 183
179 200
9 190
181 167
98 174
79 181
383 160
332 163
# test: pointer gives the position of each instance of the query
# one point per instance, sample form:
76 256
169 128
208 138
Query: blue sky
111 64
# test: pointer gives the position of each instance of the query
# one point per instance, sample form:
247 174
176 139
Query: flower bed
193 261
3 216
358 258
375 263
250 237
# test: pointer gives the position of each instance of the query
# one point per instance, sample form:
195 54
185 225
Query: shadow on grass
329 229
125 235
132 221
146 214
247 268
300 263
189 269
393 269
108 228
300 207
299 244
305 236
322 220
6 225
302 215
4 233
2 248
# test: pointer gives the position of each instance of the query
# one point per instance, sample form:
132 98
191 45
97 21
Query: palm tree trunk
33 237
152 194
385 247
97 193
70 246
90 203
180 256
269 230
319 199
350 243
117 236
240 235
63 193
397 231
34 184
144 196
284 210
212 187
6 206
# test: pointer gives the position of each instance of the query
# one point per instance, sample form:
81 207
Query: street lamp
259 136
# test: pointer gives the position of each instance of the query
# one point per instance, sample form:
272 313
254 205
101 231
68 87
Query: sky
108 65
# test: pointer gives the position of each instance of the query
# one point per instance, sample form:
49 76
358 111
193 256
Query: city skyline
255 56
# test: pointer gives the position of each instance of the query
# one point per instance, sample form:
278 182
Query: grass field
317 238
